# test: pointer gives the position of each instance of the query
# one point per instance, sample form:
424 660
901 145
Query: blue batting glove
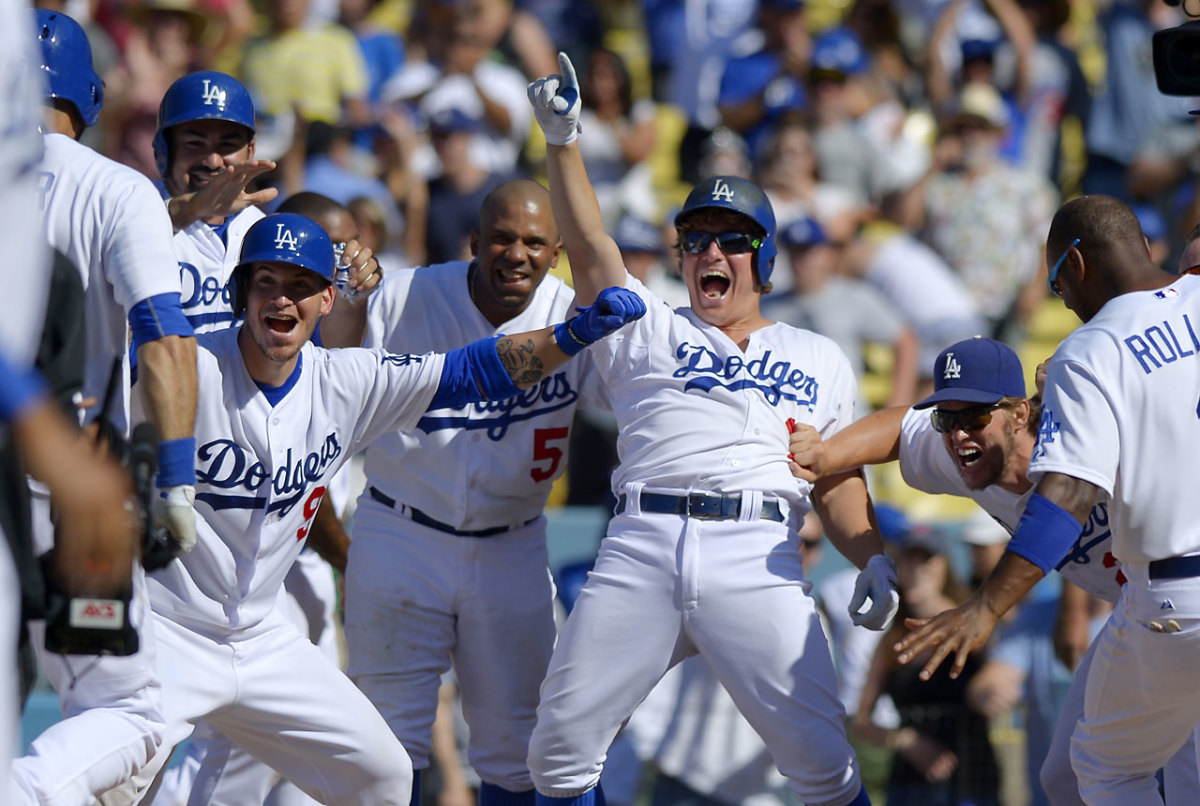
613 309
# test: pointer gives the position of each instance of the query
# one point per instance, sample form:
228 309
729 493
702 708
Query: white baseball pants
666 587
418 599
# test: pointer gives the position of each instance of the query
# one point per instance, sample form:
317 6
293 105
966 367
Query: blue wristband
176 462
19 389
567 339
1045 533
156 317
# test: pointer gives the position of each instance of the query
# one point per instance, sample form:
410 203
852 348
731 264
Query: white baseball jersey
112 224
1121 411
678 389
206 259
261 470
927 465
487 464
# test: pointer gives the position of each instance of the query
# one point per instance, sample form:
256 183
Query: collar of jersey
274 394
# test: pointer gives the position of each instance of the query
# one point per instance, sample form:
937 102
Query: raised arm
595 260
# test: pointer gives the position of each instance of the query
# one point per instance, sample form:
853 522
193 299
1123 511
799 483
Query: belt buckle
707 506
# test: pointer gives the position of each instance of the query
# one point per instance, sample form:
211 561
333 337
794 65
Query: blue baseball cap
978 49
976 370
453 119
637 235
801 233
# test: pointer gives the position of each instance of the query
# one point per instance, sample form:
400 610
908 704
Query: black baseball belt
420 517
705 506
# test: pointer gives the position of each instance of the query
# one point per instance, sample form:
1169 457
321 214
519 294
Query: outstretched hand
556 104
958 632
225 194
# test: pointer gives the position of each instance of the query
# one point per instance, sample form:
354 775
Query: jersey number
310 511
543 451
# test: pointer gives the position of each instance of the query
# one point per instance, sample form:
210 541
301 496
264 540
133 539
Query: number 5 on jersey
543 451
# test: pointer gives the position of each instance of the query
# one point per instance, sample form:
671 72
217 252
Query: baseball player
703 556
277 417
204 150
112 224
310 588
448 561
1119 403
976 442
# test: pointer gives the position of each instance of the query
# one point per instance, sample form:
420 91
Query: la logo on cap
284 238
953 368
721 190
213 94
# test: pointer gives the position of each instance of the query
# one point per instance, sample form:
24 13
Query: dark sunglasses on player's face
731 243
969 419
1052 277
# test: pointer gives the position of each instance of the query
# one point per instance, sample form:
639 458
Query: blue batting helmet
741 196
283 238
67 64
204 95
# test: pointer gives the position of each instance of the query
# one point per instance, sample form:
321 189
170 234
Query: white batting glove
556 105
175 511
877 582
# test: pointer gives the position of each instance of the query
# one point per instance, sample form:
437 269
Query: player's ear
1021 415
474 243
558 247
250 149
327 296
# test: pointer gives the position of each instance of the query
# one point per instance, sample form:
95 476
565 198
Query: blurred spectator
374 234
621 135
1129 105
382 50
723 153
330 171
316 72
643 250
706 33
846 157
847 310
943 756
787 171
456 194
986 539
395 147
1155 230
760 86
164 45
457 74
1057 90
574 26
988 219
920 285
978 65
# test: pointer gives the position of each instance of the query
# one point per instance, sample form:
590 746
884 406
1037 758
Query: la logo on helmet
213 94
721 190
953 368
284 238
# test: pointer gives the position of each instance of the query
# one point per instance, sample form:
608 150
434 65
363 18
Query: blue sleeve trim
1045 533
176 462
156 317
19 388
473 374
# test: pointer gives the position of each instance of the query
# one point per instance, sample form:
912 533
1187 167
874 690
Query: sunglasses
731 243
1052 278
970 419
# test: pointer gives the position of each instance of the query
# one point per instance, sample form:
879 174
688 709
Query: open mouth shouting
714 284
281 323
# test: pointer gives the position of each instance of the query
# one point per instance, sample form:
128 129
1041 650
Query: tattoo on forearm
521 361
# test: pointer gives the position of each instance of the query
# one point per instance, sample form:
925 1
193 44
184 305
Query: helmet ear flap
237 291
